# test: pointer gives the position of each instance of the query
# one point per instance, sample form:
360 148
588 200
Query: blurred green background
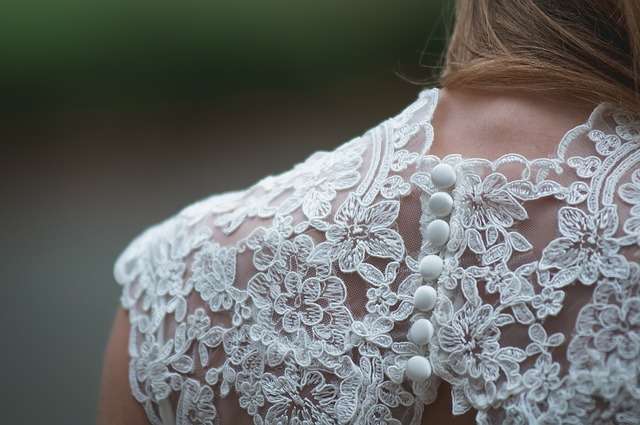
115 53
114 115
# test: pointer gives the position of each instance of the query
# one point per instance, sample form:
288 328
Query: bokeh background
116 114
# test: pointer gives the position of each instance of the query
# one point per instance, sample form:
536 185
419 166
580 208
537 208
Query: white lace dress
345 290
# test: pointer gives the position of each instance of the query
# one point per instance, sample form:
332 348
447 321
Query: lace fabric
291 302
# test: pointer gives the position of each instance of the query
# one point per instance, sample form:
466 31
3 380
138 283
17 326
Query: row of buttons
440 205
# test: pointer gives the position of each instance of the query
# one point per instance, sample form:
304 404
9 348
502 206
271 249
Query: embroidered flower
487 202
371 334
213 276
628 125
198 323
195 406
300 396
472 354
316 181
548 302
151 368
499 278
615 291
606 144
251 397
471 339
237 343
359 230
267 243
248 383
304 302
604 393
381 299
606 328
451 274
542 378
162 274
620 329
301 308
587 247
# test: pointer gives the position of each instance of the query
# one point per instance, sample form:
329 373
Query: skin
489 124
116 405
469 122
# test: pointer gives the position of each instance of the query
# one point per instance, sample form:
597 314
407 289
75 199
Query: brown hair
589 49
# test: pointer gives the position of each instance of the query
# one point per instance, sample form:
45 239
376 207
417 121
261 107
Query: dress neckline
558 154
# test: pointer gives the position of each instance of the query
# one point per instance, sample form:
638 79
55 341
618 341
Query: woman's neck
490 124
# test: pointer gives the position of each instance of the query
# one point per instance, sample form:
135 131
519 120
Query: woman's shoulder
359 271
373 164
222 277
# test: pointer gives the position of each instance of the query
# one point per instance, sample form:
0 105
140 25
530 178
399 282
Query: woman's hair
589 49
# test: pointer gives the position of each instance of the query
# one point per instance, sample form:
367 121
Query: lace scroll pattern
293 299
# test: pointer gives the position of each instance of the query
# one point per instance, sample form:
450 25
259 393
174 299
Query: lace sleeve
281 303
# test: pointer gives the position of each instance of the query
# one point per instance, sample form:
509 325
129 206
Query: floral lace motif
293 298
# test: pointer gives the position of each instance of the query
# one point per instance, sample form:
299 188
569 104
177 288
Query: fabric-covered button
437 232
421 332
418 369
443 176
424 298
431 267
440 204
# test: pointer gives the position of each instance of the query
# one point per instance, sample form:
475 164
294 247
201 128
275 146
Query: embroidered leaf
519 242
474 241
371 274
556 339
522 313
402 312
578 192
470 290
547 188
495 253
181 337
443 311
423 181
460 403
345 408
183 364
388 393
513 353
492 235
521 189
504 319
213 337
396 374
391 271
301 227
204 355
565 277
412 263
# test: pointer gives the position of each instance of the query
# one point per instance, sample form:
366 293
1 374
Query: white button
418 369
431 267
440 204
443 176
424 298
421 332
438 232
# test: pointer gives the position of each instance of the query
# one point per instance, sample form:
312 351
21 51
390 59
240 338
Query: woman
473 259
